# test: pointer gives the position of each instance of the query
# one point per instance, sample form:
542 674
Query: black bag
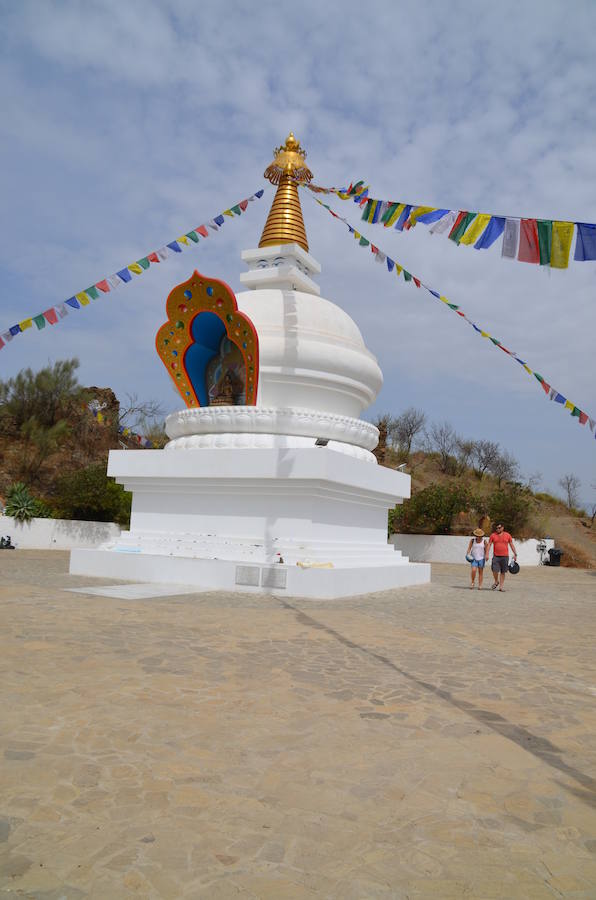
513 567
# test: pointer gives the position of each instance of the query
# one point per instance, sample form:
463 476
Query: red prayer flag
103 286
529 247
374 249
243 204
153 257
457 222
202 229
51 316
1 343
583 417
416 281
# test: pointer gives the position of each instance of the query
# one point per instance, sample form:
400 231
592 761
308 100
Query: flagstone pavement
429 742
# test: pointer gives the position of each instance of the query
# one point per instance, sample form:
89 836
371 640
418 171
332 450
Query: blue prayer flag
260 193
492 231
175 246
15 329
72 301
435 294
390 264
585 245
434 216
402 219
559 398
124 274
219 220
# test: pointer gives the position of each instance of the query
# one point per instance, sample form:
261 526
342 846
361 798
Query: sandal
493 587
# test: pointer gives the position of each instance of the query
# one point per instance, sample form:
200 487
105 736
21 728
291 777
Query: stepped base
223 520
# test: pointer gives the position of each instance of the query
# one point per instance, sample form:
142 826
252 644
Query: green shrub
91 496
432 510
512 506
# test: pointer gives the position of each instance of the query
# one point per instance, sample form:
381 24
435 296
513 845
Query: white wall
452 548
57 534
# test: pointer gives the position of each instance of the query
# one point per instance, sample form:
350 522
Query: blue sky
125 125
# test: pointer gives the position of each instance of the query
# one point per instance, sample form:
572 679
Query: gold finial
284 223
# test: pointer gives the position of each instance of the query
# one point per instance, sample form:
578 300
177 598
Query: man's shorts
478 563
500 563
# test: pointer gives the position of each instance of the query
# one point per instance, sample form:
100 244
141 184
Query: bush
432 510
91 496
512 506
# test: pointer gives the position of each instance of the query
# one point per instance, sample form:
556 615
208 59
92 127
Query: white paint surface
452 548
57 534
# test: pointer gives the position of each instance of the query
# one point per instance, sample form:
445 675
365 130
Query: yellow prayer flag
181 240
228 212
357 235
420 211
395 215
136 268
475 229
25 324
444 299
569 405
398 269
484 334
561 244
528 369
82 298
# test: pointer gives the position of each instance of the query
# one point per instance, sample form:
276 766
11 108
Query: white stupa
268 483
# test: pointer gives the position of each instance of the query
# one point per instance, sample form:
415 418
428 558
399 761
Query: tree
442 439
504 467
511 505
571 485
484 456
404 429
463 452
91 496
44 396
135 413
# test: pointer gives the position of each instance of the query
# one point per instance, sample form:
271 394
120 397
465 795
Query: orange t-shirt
500 543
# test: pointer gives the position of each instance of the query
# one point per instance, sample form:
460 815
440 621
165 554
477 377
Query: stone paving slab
428 742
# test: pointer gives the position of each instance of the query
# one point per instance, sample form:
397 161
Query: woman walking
477 551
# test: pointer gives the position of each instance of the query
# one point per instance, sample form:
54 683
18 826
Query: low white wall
452 548
57 534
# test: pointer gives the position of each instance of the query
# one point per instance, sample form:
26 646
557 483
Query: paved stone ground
431 742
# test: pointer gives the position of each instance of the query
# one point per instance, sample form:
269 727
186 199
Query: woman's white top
478 549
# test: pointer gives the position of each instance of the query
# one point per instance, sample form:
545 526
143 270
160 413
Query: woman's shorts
500 563
478 563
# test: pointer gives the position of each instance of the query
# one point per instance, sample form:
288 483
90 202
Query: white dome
311 353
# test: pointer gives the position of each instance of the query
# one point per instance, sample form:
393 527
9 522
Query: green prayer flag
363 242
144 263
366 210
575 411
236 210
39 321
496 342
545 233
389 212
92 292
453 306
461 228
407 276
193 236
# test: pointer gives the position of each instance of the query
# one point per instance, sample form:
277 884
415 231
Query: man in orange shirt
500 540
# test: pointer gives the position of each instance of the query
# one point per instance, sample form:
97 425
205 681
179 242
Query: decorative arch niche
209 348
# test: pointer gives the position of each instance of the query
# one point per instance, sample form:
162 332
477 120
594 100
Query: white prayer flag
510 239
444 224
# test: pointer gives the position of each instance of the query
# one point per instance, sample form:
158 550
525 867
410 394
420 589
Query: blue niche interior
207 330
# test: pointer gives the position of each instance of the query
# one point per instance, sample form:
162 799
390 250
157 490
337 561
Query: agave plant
20 504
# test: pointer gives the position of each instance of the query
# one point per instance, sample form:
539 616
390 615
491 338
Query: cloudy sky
127 124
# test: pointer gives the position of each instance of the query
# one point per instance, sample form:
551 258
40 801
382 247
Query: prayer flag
583 417
72 301
7 335
175 246
219 220
103 286
1 343
39 321
25 324
569 405
183 240
585 246
431 216
15 329
418 212
493 231
92 292
575 411
510 238
61 310
460 225
163 253
545 231
390 264
153 258
115 282
475 229
260 193
124 274
559 398
444 224
402 218
416 281
228 212
82 298
392 214
529 250
136 268
561 244
144 262
193 236
50 315
243 204
435 294
363 242
407 276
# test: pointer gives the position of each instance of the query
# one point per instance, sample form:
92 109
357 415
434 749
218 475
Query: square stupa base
308 522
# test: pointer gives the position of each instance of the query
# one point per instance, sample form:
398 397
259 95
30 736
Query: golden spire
284 223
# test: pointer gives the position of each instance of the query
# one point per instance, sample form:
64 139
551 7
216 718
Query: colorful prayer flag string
545 242
52 315
551 392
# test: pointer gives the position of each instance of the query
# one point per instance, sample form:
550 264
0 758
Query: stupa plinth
268 483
